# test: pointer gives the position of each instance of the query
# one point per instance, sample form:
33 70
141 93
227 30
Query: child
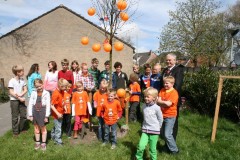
105 74
95 72
81 108
39 111
155 78
58 111
145 78
51 77
152 122
100 97
17 89
120 80
31 76
134 100
75 68
112 112
168 100
67 111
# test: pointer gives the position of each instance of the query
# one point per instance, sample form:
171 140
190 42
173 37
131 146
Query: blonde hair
38 81
135 66
65 61
133 77
112 91
158 65
104 83
62 82
79 83
151 91
170 79
17 68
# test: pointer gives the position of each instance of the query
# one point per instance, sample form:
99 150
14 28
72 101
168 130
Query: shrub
200 89
4 97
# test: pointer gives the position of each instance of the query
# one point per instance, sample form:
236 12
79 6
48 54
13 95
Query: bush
4 97
200 89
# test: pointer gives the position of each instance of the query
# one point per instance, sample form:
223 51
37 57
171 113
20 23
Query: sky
144 27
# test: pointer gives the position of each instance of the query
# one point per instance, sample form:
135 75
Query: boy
112 112
105 73
155 78
168 100
66 74
58 110
95 72
145 78
152 122
17 89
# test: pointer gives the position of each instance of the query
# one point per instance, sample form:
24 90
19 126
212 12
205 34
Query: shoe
113 146
43 146
59 144
37 146
174 153
103 144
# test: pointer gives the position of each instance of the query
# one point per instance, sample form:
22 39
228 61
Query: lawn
193 142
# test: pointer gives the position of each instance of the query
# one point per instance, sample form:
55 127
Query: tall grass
193 141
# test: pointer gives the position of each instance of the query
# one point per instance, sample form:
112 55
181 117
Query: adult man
177 71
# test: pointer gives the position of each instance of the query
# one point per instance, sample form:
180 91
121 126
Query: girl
75 68
134 100
39 111
100 97
81 108
31 76
51 77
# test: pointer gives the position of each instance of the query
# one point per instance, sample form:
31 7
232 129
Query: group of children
84 92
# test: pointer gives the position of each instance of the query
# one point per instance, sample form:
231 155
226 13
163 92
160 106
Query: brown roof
62 6
141 58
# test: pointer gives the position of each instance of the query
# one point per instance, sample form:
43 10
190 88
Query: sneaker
59 144
43 146
113 146
37 146
103 144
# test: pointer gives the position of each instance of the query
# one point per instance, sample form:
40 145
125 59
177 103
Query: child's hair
133 77
151 91
54 64
170 79
83 64
95 60
117 64
65 61
112 91
76 62
147 66
63 82
17 68
38 81
104 83
69 85
32 69
107 62
158 65
136 66
79 83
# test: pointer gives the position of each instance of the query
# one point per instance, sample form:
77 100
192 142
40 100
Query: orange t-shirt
80 100
111 112
169 95
134 87
67 104
100 99
57 101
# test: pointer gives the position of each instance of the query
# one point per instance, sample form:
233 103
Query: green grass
193 142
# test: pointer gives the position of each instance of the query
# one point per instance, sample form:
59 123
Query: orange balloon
118 46
84 40
121 92
121 4
91 11
124 16
107 47
96 47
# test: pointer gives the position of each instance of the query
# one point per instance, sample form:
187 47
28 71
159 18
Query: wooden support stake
126 108
214 129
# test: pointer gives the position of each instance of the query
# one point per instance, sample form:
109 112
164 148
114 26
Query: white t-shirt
50 81
17 86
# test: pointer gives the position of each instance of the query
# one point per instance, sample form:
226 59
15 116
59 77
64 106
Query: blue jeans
100 128
114 133
167 129
56 132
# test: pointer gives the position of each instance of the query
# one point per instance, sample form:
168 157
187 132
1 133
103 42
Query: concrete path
5 118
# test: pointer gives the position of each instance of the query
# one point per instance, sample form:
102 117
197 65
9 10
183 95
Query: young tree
113 16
